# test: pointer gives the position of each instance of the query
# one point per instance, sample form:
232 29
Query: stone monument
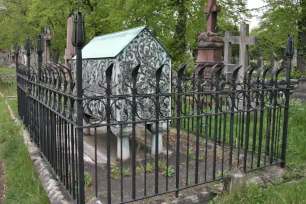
47 38
209 43
244 40
69 50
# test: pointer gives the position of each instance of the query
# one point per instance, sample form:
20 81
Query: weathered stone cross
244 40
212 11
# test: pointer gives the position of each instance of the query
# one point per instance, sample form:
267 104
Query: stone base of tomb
145 142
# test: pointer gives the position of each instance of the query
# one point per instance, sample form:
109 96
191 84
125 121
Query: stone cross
244 40
70 50
47 38
228 55
212 11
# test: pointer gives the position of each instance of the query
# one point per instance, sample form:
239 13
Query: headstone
55 56
34 57
228 59
209 43
47 38
295 55
273 63
244 40
23 56
69 50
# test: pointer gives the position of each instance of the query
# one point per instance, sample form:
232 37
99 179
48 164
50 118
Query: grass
285 193
7 71
207 121
22 184
8 86
14 105
294 192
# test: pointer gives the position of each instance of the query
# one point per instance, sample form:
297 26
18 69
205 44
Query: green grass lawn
7 71
21 181
8 86
283 194
294 192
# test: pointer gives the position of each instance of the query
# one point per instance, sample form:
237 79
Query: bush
296 74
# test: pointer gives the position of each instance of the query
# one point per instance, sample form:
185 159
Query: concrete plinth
125 148
144 139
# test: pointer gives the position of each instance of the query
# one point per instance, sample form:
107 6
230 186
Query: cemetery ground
18 180
21 184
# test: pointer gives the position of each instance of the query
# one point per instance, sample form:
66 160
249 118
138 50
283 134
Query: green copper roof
110 45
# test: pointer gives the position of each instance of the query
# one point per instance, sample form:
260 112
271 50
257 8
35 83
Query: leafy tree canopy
278 19
176 23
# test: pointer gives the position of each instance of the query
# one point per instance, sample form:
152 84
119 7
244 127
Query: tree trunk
179 41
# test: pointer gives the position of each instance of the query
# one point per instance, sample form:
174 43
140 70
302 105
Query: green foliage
296 157
292 175
279 18
296 154
149 168
162 165
87 180
168 172
284 193
190 152
125 172
176 23
296 74
116 172
7 71
138 170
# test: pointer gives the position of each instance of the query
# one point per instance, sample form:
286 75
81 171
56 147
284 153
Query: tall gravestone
69 50
47 38
209 43
33 57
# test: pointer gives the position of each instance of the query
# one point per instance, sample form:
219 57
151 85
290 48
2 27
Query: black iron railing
143 144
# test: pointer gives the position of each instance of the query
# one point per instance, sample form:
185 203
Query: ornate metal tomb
126 50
